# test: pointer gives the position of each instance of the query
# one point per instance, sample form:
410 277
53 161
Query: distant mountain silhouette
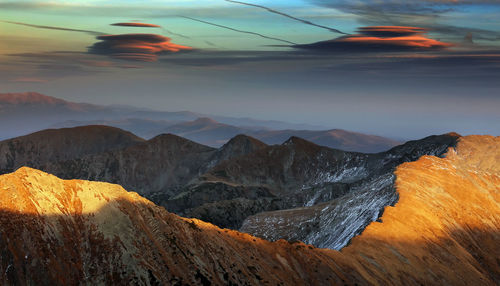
207 131
24 113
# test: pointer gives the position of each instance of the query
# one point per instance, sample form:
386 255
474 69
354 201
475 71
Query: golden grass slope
445 228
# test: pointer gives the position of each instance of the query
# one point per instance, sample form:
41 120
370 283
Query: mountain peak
29 98
245 139
294 140
169 140
238 146
204 120
62 144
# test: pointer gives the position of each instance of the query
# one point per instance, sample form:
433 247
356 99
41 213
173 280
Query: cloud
139 47
424 13
390 31
141 25
379 39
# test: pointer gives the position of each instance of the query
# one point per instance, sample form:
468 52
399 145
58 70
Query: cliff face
443 230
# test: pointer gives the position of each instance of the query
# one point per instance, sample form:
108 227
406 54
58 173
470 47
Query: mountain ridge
245 177
443 230
30 112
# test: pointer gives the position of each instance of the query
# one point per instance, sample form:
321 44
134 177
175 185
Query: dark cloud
136 24
288 16
400 6
425 14
94 33
238 30
390 31
379 39
139 47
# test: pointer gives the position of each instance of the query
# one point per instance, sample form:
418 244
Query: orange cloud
142 25
391 31
412 42
380 39
140 47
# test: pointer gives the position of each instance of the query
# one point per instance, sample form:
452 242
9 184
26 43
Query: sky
402 69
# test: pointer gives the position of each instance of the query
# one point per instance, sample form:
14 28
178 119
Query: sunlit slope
445 228
73 232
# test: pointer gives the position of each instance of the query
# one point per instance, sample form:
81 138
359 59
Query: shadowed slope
299 173
62 144
159 164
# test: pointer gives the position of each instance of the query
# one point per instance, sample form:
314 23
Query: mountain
55 232
245 177
335 138
442 231
209 132
24 113
62 144
145 128
331 214
206 131
162 164
298 174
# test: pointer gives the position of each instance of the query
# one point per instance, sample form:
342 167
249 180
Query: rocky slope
55 232
161 165
444 230
354 186
227 185
445 227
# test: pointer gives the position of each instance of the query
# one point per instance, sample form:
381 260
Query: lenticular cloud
140 47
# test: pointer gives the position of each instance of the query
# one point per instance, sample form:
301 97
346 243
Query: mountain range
442 230
31 112
235 185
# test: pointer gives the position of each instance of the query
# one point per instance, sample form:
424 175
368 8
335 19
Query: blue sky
234 59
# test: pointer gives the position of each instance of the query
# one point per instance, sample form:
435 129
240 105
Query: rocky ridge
245 177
